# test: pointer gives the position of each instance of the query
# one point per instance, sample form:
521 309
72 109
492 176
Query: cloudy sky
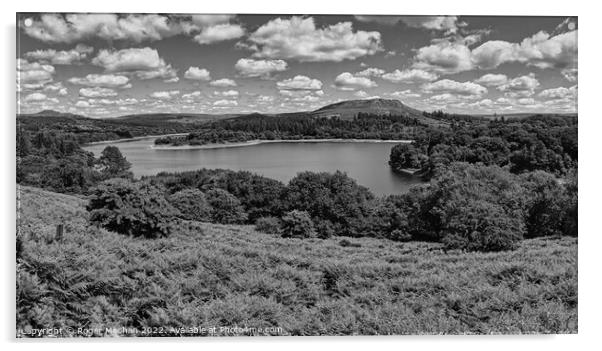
106 65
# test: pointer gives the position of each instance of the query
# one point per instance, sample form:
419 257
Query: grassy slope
215 275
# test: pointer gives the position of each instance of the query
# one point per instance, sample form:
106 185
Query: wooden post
59 232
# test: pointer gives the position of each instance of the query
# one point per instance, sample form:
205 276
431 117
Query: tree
297 224
225 207
113 164
131 208
330 196
481 226
269 225
192 205
546 205
454 199
407 156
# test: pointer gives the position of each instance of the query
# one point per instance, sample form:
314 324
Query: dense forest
262 127
535 143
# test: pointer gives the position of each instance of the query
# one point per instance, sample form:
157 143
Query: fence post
59 232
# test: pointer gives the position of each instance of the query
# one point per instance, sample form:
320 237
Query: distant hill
349 109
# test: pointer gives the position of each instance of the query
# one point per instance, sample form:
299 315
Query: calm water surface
363 161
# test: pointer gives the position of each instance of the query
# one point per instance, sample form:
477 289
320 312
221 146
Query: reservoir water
366 162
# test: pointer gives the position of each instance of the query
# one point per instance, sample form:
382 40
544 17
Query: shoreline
276 141
131 139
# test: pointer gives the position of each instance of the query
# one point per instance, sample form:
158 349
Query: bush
225 207
132 208
268 225
481 226
192 205
334 197
399 235
297 224
324 228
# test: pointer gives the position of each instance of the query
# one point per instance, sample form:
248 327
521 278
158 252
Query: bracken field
210 275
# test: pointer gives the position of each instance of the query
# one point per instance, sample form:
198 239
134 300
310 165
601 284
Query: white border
589 195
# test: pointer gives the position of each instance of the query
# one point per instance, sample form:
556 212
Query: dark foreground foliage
132 208
215 275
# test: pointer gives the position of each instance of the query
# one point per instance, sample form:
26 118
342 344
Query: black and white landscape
233 175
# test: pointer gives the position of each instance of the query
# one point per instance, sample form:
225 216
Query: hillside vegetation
228 275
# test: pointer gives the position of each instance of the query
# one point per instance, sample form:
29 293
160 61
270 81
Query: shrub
347 243
399 235
225 207
324 228
334 197
297 224
386 215
481 226
132 208
192 205
268 225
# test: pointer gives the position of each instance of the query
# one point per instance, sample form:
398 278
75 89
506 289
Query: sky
109 65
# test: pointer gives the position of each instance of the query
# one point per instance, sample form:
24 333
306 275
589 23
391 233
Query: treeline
86 130
55 161
534 143
468 207
257 126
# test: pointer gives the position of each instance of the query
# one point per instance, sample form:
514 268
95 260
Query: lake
366 162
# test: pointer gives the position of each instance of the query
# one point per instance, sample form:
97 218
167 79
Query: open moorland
226 275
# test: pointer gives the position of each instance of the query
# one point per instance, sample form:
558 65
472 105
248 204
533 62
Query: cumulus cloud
410 76
223 83
347 81
97 92
76 27
559 93
225 103
541 50
299 83
33 73
492 80
82 103
371 72
196 73
404 94
144 63
520 86
299 39
454 87
227 93
447 24
205 29
444 57
191 96
570 74
35 97
165 95
62 57
219 32
259 68
55 88
102 80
